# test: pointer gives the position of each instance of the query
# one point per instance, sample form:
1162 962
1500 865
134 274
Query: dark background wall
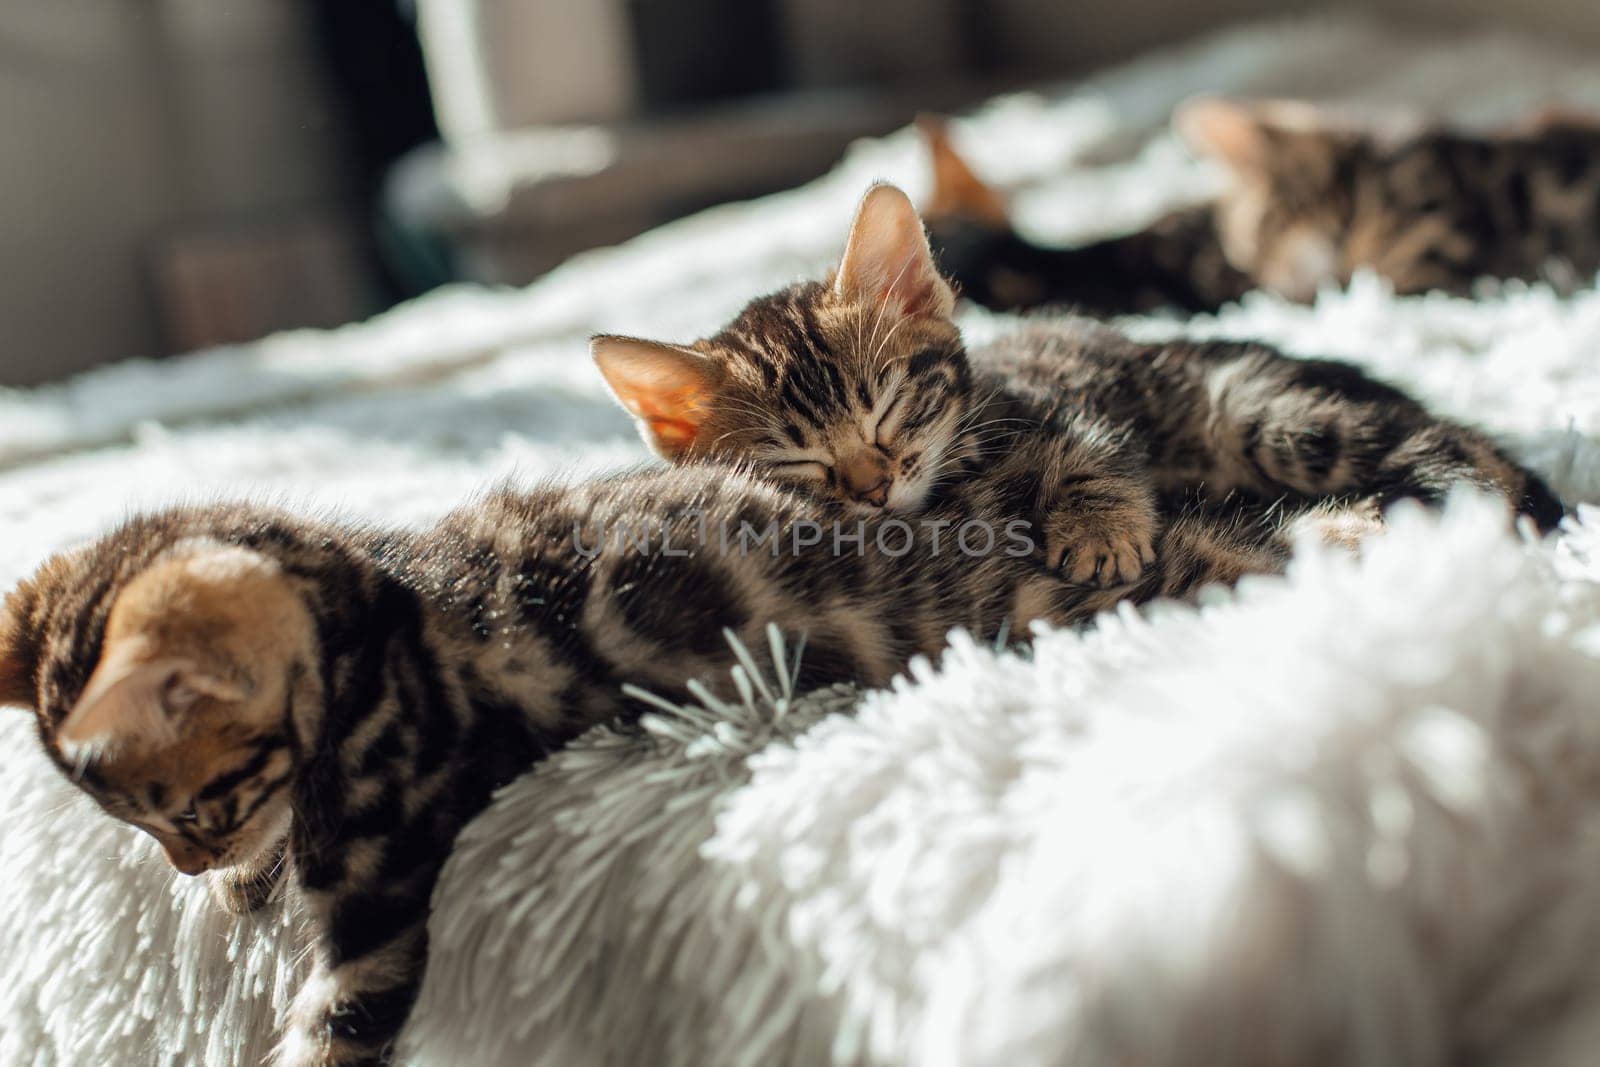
179 169
124 120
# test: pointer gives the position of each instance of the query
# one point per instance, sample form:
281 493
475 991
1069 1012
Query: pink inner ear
887 261
1225 130
652 380
668 389
916 296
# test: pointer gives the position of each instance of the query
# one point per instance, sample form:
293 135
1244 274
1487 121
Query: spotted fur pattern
381 685
1309 201
1064 422
1232 418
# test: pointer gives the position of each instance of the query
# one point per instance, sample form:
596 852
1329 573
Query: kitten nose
877 496
188 858
865 476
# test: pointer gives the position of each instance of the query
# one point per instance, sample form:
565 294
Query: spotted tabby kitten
1310 201
861 390
264 693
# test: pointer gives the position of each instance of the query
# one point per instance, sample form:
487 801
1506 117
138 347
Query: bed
1350 815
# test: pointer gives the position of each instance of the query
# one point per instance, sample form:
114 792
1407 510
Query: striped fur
1065 423
1230 418
378 686
1310 201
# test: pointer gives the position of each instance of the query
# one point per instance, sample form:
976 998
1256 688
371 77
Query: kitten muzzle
187 858
866 479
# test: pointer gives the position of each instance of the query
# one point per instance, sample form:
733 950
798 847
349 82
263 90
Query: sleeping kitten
258 691
1309 202
1312 201
860 389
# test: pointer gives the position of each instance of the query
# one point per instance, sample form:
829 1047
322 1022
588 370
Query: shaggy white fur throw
1351 816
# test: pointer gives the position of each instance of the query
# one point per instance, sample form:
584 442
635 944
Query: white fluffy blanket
1348 816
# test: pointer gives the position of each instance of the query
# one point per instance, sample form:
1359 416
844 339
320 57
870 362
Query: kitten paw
241 896
248 887
1098 558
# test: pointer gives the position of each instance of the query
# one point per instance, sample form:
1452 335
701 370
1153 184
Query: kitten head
179 725
1283 217
854 388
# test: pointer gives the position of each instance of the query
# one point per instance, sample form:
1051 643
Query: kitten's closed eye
884 428
809 469
879 373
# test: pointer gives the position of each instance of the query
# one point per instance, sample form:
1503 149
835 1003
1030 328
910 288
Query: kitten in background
1310 199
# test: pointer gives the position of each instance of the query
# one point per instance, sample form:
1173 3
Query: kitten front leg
1097 506
1099 536
1195 548
248 886
369 959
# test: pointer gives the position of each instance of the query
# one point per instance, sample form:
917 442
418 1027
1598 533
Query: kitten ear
887 261
1225 130
133 700
667 389
957 192
1247 135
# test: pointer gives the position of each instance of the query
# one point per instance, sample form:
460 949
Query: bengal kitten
860 389
264 693
1310 200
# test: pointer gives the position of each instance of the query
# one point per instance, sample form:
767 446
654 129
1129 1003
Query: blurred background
187 173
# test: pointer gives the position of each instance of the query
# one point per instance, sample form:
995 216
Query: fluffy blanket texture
1348 816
